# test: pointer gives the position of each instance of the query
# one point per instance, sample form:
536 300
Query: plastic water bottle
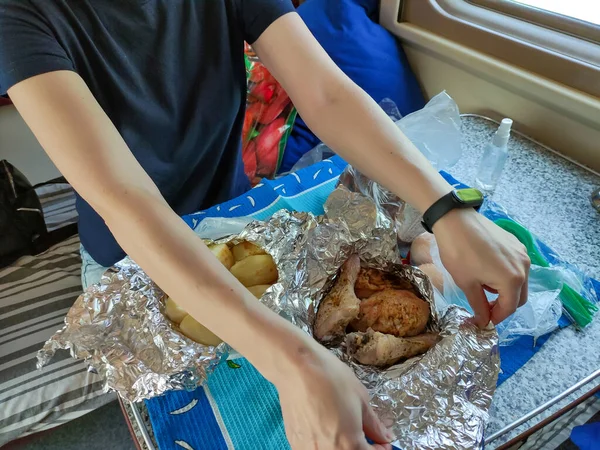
493 159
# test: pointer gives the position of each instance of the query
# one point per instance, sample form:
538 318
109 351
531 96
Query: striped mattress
35 295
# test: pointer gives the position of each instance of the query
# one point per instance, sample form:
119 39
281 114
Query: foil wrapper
438 400
406 219
118 328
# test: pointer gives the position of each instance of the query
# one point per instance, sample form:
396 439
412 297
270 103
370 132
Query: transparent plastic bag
547 293
391 109
579 297
541 313
539 316
435 131
317 154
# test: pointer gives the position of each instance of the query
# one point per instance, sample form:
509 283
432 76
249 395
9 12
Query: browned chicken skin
400 313
341 305
389 322
370 281
378 349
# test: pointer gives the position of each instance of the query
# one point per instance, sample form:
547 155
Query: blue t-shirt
169 74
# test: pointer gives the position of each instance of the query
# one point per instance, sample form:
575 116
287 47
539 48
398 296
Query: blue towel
238 408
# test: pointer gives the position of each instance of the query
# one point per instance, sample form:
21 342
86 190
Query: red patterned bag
270 115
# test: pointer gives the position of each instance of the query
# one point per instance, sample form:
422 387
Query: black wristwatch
458 199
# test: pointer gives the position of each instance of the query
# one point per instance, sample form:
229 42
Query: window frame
543 17
554 55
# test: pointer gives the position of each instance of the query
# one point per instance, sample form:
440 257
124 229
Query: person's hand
480 255
325 407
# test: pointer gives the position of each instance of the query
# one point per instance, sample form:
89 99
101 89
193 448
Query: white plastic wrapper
435 131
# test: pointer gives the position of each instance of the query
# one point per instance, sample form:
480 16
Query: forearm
177 260
89 151
353 125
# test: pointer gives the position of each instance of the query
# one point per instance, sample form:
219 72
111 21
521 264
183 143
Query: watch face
469 195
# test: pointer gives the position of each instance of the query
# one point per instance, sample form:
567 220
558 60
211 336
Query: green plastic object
580 309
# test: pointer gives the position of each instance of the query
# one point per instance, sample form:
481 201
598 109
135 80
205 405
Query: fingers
514 291
373 427
507 303
479 303
525 285
524 293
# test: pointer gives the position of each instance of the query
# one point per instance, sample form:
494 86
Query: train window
534 62
577 18
561 48
577 9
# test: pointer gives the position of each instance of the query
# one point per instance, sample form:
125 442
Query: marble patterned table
551 196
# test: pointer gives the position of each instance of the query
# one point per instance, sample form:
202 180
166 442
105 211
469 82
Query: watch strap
471 198
438 210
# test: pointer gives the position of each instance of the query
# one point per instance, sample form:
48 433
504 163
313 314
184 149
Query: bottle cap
503 134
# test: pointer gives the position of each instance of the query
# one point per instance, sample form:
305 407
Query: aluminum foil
406 219
435 401
118 328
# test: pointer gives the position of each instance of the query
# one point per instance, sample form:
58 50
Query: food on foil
341 305
259 290
193 329
254 270
120 329
435 276
389 320
379 349
396 312
189 326
223 254
174 312
370 281
245 249
420 249
249 263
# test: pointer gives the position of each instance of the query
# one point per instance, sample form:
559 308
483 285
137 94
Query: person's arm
323 403
476 253
90 153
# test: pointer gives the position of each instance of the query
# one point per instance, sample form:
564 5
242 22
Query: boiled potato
174 312
198 332
259 290
255 270
245 249
223 254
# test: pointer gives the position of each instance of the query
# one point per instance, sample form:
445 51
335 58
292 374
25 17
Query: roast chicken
400 313
340 306
390 322
379 349
370 281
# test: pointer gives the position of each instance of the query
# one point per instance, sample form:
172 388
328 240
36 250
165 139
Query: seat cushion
370 55
35 295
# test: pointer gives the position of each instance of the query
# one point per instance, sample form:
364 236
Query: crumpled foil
406 219
434 401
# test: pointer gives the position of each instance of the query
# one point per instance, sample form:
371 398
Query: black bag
22 227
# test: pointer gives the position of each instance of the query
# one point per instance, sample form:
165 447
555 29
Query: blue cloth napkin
238 408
